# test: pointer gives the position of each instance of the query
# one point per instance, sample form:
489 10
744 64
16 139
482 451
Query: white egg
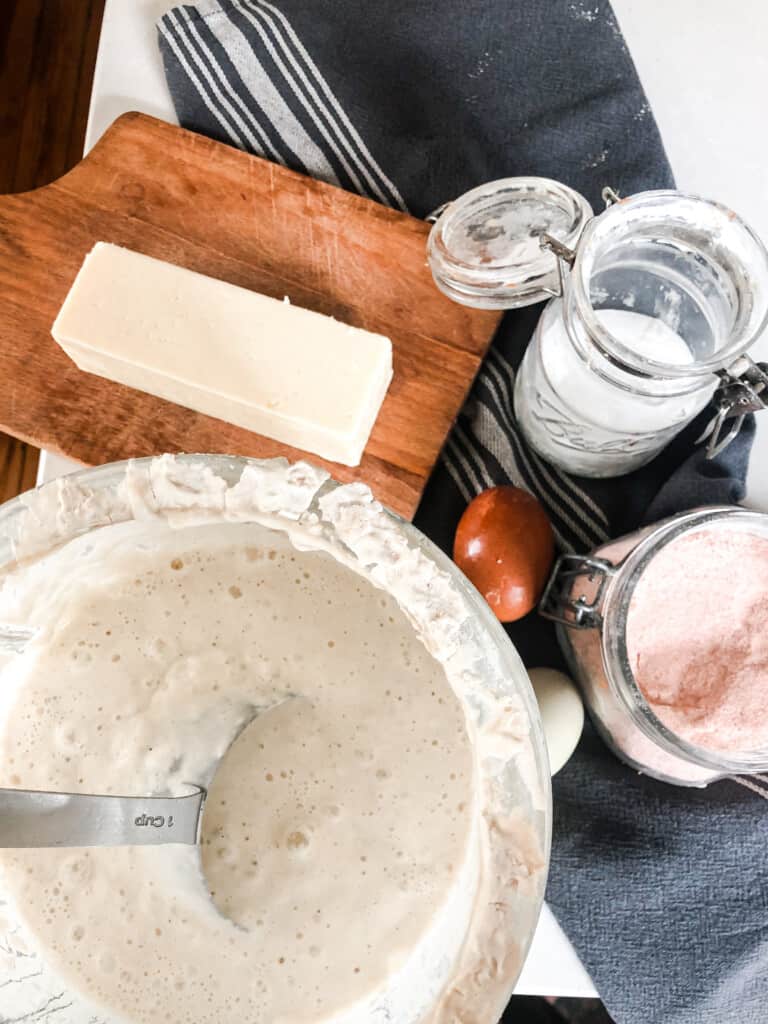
562 713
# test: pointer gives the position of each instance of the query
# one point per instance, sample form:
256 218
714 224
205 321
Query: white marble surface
704 65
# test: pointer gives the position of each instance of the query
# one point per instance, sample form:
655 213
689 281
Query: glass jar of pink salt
665 630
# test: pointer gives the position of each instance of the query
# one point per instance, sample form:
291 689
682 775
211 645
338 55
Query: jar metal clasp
558 602
566 256
743 389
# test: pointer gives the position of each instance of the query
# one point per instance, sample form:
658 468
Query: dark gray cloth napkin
663 891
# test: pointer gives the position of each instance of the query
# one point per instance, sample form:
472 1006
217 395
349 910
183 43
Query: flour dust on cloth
662 891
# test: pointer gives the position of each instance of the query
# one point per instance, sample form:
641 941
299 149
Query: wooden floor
47 54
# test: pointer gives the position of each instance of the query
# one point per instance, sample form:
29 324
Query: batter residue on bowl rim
347 840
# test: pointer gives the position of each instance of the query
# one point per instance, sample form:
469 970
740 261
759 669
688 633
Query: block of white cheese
288 373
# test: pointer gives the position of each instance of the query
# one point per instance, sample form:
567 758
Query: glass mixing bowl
39 521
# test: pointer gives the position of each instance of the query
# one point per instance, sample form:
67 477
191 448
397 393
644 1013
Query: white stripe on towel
327 105
234 126
264 93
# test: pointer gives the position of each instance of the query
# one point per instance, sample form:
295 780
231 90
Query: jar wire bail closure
579 612
517 241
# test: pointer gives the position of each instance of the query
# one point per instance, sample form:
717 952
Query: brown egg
505 545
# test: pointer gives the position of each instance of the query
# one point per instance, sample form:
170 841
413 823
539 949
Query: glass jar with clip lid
653 306
663 630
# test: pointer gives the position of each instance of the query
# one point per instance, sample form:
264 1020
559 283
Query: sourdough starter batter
368 850
335 826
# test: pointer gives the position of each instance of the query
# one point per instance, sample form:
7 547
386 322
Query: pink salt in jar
665 630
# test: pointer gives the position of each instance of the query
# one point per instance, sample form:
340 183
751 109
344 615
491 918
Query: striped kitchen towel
411 104
410 107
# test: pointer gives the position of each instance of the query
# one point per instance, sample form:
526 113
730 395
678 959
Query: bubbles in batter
335 826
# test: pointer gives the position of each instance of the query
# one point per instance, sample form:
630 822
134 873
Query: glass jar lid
484 249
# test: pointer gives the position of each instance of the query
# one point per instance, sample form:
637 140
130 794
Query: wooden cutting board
181 197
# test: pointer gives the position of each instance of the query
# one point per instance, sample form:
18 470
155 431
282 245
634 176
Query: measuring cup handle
31 818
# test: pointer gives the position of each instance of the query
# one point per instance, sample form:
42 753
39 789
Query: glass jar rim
520 280
614 641
605 224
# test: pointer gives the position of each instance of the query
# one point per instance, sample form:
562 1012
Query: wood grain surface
47 55
180 197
